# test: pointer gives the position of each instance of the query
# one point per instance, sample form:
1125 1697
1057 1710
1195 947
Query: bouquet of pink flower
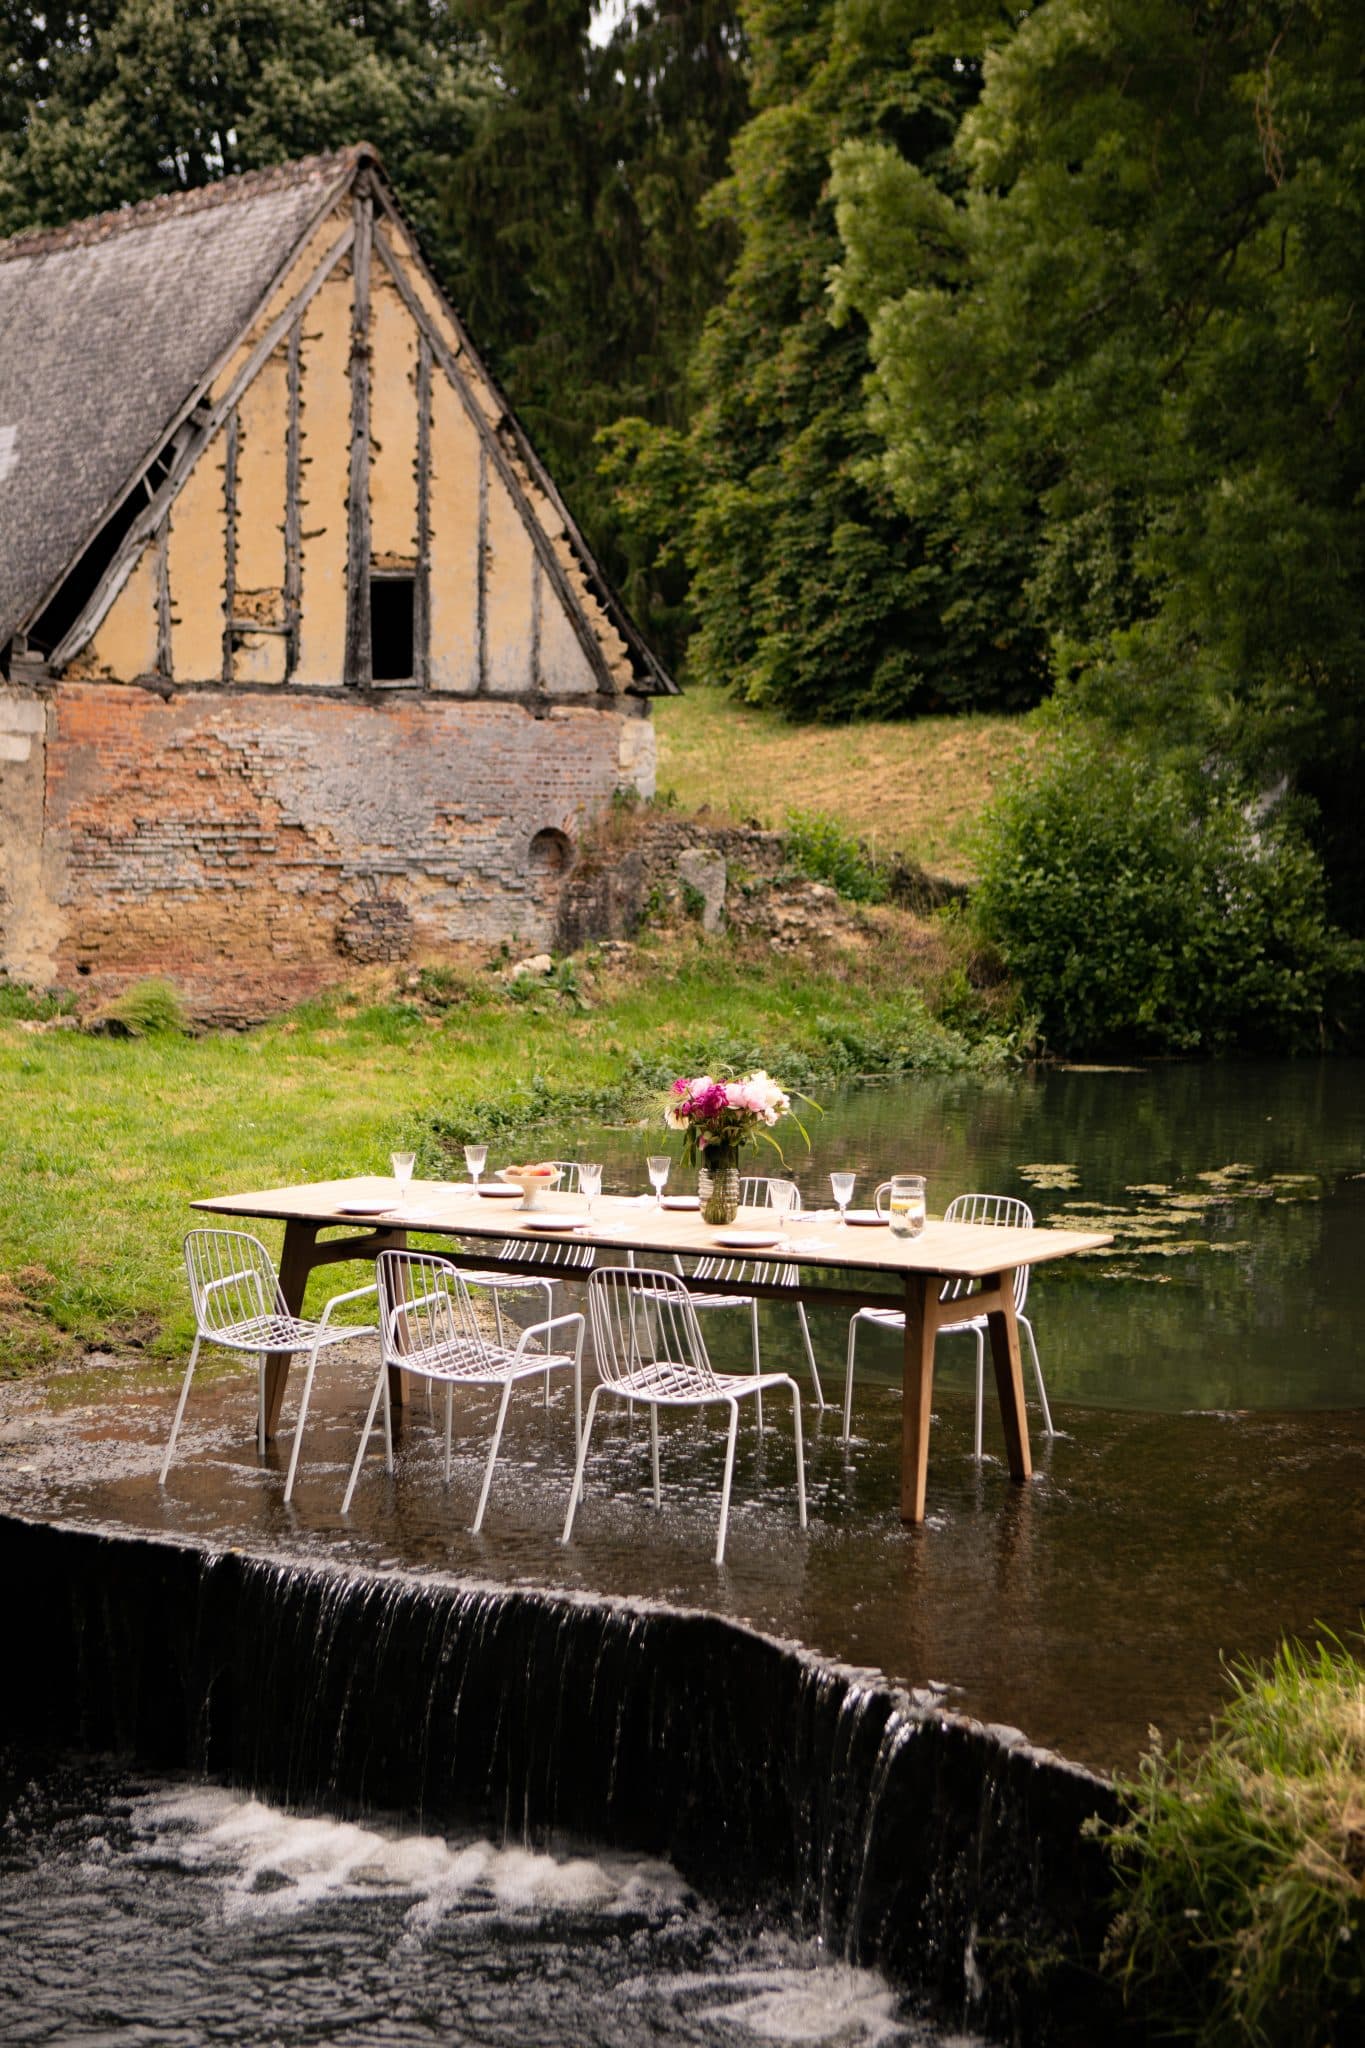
717 1117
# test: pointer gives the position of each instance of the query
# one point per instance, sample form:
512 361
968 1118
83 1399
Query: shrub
1142 910
144 1010
817 845
1242 1908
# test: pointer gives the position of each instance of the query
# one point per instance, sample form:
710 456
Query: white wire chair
238 1304
649 1348
755 1192
427 1326
1003 1212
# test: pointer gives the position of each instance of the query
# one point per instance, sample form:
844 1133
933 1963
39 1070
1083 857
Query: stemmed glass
782 1201
843 1184
476 1158
658 1164
590 1182
402 1164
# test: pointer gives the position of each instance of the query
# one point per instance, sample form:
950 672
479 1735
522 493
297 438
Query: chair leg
179 1409
260 1404
800 1455
1027 1327
493 1454
297 1446
810 1356
654 1451
576 1490
980 1336
450 1417
380 1386
758 1364
725 1486
848 1376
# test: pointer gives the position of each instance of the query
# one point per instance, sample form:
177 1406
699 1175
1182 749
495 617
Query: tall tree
811 589
572 226
1134 339
124 99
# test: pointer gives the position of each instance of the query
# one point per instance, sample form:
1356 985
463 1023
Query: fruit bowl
534 1180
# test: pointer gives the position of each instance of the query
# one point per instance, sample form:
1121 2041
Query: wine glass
475 1158
782 1199
842 1184
402 1164
658 1164
590 1182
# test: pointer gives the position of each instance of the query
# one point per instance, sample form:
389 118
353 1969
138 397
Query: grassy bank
1243 1911
106 1140
917 787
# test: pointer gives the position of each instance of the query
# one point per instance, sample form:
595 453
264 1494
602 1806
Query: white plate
746 1240
535 1221
365 1208
682 1201
501 1190
867 1217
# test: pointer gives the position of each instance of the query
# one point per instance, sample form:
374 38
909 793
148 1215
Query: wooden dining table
847 1265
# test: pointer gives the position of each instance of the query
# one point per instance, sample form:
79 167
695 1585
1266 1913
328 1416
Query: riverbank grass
1243 1913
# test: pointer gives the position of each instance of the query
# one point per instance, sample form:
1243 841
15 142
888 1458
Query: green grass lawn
916 787
105 1140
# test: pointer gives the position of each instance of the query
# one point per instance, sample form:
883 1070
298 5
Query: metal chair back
755 1192
644 1328
427 1322
233 1283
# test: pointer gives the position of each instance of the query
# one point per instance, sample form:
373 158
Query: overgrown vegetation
1145 909
818 846
1242 1909
144 1010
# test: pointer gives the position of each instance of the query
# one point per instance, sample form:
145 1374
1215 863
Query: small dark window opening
392 604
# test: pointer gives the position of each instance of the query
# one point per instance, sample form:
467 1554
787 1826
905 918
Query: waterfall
947 1853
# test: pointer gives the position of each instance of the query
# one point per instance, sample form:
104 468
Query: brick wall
252 846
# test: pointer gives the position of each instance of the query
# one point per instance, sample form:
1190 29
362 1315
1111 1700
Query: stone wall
253 846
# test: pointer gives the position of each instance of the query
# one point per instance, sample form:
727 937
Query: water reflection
1236 1195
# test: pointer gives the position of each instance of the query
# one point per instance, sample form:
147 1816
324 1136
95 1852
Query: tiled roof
107 327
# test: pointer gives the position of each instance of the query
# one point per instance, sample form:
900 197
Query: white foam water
271 1862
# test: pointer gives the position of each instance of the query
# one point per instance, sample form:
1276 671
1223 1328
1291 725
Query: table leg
917 1391
1009 1375
300 1255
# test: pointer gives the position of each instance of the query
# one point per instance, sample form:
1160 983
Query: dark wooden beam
293 530
359 648
229 541
163 600
421 590
481 580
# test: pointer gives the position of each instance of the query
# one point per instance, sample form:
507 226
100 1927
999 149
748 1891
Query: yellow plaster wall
508 582
324 238
325 462
196 569
393 420
454 508
125 645
564 667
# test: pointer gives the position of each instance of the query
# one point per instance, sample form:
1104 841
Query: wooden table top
969 1251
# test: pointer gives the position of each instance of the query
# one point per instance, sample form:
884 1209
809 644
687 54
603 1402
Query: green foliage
1141 910
30 1005
572 242
1242 1909
148 1009
1117 357
130 98
817 845
810 590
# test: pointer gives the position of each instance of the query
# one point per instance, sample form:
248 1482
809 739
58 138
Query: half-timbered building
302 657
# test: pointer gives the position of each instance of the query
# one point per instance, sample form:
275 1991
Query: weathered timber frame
359 645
